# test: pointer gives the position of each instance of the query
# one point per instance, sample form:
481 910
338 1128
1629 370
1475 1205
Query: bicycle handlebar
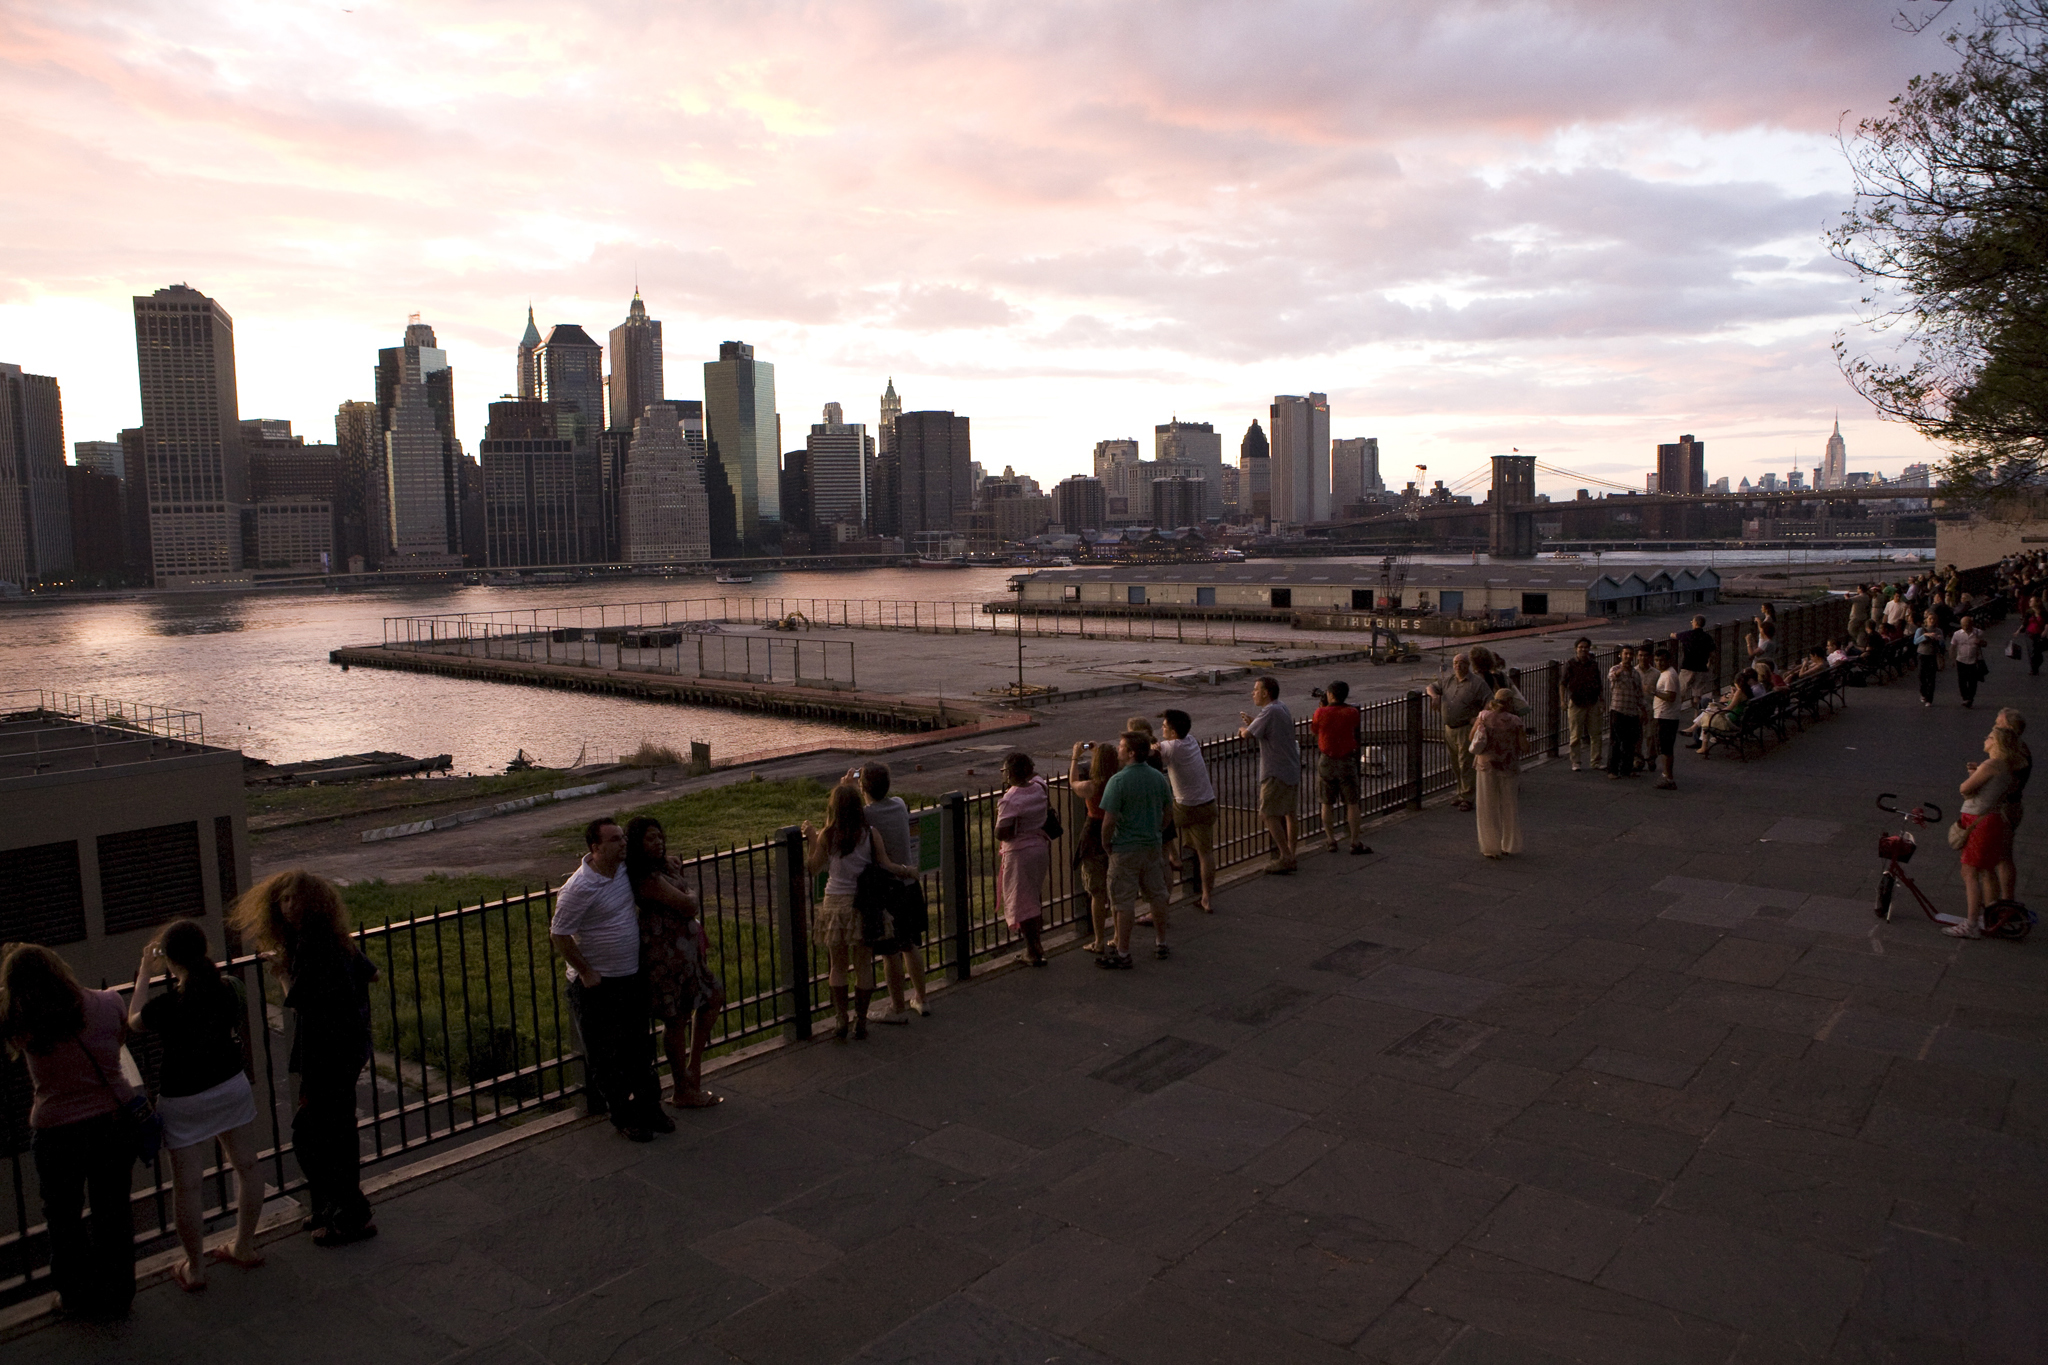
1924 813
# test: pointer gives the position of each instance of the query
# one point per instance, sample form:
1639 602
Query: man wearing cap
1336 724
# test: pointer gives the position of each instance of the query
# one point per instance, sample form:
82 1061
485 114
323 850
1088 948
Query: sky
1570 227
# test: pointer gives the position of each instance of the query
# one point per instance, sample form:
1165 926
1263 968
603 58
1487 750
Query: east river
254 665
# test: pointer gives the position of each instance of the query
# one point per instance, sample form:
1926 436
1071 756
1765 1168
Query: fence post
953 880
1414 751
786 884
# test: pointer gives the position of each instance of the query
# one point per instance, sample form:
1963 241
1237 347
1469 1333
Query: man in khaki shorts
1336 725
1194 797
1279 769
1134 808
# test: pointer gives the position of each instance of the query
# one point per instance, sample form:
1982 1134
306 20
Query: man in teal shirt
1134 806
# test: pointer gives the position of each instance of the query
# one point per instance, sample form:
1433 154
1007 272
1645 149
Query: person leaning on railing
842 850
1091 855
297 921
71 1039
683 992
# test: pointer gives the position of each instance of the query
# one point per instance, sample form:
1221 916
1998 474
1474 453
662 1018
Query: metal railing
470 1023
141 717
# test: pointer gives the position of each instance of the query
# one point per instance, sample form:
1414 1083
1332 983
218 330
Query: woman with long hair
1499 739
1023 853
1090 855
677 955
842 850
298 922
71 1039
2015 805
1989 841
203 1094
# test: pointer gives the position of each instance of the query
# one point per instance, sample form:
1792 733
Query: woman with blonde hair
842 850
1499 739
1989 837
71 1039
1090 855
297 921
203 1091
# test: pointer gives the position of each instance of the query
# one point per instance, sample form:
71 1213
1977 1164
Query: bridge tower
1512 526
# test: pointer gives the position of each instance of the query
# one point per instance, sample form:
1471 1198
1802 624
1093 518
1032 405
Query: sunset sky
1573 228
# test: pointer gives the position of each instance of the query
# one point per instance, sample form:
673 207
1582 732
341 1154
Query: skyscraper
663 518
892 408
1194 444
569 368
420 474
1354 471
529 373
1177 501
35 499
1834 468
1301 458
1110 454
361 516
529 467
193 472
101 457
1682 466
1080 504
1254 473
636 366
835 461
933 452
743 466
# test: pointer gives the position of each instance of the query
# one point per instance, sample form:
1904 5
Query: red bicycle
2002 919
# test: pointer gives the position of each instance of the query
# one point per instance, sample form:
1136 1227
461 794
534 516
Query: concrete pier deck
1661 1089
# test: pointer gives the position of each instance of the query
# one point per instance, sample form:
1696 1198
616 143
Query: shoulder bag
135 1115
1053 828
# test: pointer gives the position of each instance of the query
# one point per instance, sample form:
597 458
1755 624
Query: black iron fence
470 1020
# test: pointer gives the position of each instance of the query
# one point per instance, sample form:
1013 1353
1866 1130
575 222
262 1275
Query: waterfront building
420 482
529 470
1178 502
35 506
98 524
101 457
933 455
360 499
1682 467
743 462
569 368
636 377
287 473
1834 469
529 371
1112 454
195 477
836 458
1079 504
663 515
1301 458
135 508
1197 446
294 534
1354 472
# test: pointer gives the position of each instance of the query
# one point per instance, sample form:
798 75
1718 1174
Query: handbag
1958 835
874 900
136 1115
2012 648
1053 828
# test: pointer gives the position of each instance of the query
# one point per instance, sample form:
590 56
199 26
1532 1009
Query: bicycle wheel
1886 882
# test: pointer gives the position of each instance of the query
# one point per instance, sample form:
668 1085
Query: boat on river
730 578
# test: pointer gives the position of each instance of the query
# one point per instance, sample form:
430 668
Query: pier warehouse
1471 590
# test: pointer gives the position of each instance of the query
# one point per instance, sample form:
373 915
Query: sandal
226 1256
1162 952
700 1099
182 1273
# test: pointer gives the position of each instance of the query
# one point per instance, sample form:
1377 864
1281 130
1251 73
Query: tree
1949 234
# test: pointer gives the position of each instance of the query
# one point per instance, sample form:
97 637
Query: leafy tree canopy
1949 236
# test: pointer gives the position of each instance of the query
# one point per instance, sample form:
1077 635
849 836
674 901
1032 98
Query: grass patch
273 806
734 815
380 902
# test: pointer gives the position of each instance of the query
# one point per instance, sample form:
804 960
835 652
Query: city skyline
1480 248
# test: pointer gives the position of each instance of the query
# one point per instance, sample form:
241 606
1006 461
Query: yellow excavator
796 620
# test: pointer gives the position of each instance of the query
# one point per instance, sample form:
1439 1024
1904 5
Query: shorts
1137 874
1667 736
835 923
1990 841
1277 799
1095 877
1339 777
1197 826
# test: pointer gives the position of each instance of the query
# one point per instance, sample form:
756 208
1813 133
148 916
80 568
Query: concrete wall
1984 539
1332 596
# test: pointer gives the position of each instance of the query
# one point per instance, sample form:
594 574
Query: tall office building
35 499
635 379
1354 471
135 554
569 369
295 489
1834 468
743 465
663 518
1080 504
97 552
1253 444
892 408
529 372
1112 453
933 451
529 471
1682 466
1194 444
421 475
836 456
1177 502
193 472
1301 458
360 516
101 457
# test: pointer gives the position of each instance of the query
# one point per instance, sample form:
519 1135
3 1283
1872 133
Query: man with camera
1336 725
1279 768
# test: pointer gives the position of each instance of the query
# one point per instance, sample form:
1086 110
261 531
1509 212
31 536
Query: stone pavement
1659 1090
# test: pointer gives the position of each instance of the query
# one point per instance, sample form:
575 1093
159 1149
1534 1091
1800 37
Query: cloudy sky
1576 227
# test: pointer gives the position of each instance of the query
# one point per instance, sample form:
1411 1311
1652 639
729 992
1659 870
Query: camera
1319 694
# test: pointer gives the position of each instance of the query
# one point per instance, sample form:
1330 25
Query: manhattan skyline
1473 230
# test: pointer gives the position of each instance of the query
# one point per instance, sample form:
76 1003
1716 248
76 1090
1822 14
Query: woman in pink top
1499 740
1024 854
72 1040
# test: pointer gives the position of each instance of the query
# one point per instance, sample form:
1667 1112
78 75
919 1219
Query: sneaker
1162 952
1576 768
635 1133
1123 962
1359 848
1107 960
660 1122
1667 785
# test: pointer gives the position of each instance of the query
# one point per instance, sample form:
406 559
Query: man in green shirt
1134 807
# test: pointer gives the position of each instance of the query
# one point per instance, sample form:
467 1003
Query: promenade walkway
1659 1090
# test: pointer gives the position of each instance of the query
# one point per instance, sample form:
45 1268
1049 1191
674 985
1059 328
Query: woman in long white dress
1499 739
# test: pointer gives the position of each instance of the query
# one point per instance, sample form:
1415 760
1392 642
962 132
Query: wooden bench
1760 719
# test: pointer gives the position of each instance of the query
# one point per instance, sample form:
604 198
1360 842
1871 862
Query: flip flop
226 1256
182 1274
703 1099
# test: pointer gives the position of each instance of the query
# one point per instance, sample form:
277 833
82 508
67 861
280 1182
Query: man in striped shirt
1624 715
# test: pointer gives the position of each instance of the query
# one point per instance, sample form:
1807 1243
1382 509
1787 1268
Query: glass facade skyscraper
743 468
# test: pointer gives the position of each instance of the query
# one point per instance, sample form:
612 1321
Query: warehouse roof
1308 573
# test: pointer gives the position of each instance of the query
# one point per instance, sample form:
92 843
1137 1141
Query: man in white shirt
1897 612
596 929
1668 710
1966 647
1194 797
